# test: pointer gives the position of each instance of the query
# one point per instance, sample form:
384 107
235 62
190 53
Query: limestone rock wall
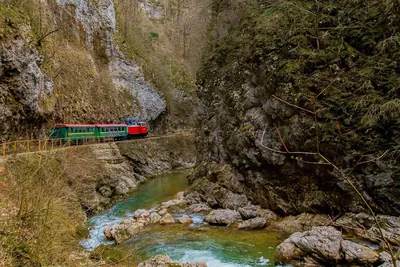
60 62
267 84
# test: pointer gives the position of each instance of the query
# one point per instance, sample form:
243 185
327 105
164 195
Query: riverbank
150 223
45 197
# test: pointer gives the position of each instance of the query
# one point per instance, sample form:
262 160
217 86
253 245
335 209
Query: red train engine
136 129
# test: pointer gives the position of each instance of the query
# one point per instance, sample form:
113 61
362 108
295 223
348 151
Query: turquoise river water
217 246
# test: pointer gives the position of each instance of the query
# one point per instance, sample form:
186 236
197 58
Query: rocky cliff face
111 171
59 62
276 81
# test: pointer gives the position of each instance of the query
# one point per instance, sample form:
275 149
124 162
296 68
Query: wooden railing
37 145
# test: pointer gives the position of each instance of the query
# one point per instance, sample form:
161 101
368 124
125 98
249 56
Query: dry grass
41 220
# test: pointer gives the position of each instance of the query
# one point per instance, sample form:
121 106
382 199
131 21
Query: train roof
67 125
110 125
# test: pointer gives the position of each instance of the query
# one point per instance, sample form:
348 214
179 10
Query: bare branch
280 137
287 103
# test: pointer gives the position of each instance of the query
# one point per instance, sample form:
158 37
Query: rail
37 145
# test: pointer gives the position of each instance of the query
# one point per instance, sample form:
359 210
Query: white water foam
263 261
96 233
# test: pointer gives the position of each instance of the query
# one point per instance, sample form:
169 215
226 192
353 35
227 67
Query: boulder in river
141 213
185 219
200 207
364 225
154 217
248 212
324 246
170 203
162 212
180 196
255 223
167 219
300 223
357 253
269 215
122 232
165 260
223 217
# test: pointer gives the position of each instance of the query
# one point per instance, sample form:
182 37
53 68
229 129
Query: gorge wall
300 77
66 61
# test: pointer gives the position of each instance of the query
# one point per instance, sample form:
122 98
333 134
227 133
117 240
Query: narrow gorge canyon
284 114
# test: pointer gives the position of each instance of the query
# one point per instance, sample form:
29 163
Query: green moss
343 67
11 18
181 79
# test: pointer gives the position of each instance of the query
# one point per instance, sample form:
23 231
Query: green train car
116 131
74 132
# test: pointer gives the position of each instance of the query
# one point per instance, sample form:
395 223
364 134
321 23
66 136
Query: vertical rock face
94 16
126 74
265 88
63 65
22 84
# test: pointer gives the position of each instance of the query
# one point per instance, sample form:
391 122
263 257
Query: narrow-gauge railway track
38 145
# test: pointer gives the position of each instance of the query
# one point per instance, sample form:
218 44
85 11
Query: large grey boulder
141 213
300 223
248 212
185 219
324 246
122 232
357 253
255 223
223 217
154 217
200 207
365 225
